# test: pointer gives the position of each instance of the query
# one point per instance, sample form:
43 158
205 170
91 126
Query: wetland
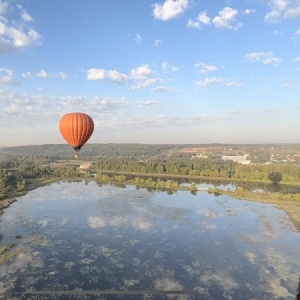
84 236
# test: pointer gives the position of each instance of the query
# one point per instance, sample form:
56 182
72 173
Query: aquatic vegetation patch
8 253
251 256
6 248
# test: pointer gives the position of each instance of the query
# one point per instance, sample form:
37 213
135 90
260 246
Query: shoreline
11 197
204 178
4 203
292 208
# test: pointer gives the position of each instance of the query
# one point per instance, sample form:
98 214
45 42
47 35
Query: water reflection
88 237
254 187
229 185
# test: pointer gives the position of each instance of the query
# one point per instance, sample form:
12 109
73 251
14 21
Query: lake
83 238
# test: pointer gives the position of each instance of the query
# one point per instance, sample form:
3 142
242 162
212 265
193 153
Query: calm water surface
81 236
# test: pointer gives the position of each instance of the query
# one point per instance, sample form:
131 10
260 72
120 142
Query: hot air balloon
76 128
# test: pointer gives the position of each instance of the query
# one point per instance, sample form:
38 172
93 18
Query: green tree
193 187
275 177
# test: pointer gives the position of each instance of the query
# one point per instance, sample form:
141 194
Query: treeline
283 153
143 151
10 182
202 167
14 173
92 151
144 182
18 172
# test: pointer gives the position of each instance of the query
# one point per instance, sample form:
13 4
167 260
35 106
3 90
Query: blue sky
151 71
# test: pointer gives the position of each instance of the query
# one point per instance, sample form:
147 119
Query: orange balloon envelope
76 128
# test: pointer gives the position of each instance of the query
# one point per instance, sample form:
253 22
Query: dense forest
210 168
256 153
19 173
90 151
22 167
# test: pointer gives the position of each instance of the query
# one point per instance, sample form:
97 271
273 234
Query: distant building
239 159
199 155
85 166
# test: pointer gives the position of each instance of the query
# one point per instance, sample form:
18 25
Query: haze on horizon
164 71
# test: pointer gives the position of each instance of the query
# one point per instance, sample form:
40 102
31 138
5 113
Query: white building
239 159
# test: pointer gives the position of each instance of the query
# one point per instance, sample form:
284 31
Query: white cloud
42 74
288 85
161 89
16 34
100 74
170 9
157 43
13 109
147 103
141 72
138 38
18 38
255 56
209 81
24 14
282 9
206 68
26 17
265 57
192 24
144 83
201 19
167 67
293 12
232 84
138 78
46 108
138 123
116 76
164 66
277 31
62 75
272 16
271 60
296 60
27 75
16 110
95 74
249 11
226 19
279 4
297 32
3 8
6 76
234 112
